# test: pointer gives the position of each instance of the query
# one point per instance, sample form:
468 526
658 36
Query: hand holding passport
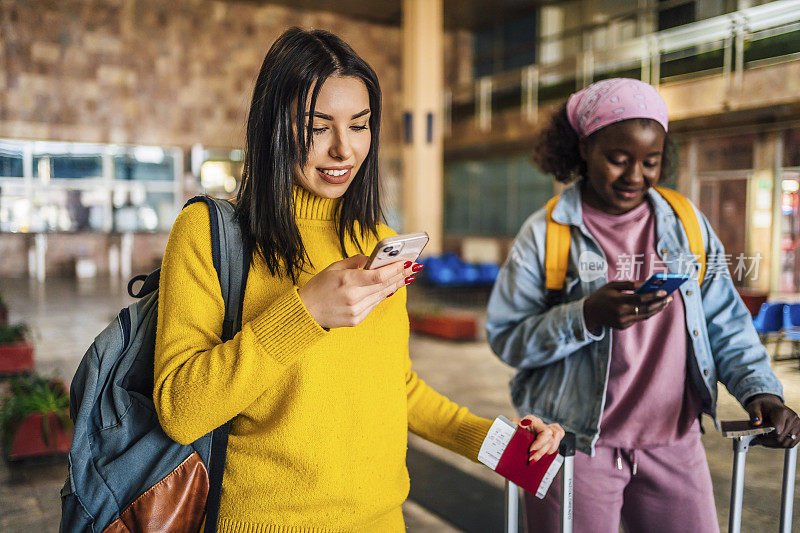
506 451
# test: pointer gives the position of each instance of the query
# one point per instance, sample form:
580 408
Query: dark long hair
556 149
278 139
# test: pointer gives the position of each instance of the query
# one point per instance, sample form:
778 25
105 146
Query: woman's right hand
616 305
344 294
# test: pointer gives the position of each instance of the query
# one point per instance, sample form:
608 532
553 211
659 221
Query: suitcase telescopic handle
567 451
741 445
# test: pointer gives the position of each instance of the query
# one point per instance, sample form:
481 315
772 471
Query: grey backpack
125 473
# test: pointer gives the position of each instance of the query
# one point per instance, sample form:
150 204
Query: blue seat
791 330
448 270
770 323
791 321
770 318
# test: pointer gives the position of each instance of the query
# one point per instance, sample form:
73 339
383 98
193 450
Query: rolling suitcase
567 451
741 444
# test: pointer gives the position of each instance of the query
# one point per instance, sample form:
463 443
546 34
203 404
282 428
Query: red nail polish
409 279
417 268
391 294
407 264
525 422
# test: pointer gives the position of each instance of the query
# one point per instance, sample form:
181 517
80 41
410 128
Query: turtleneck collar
308 206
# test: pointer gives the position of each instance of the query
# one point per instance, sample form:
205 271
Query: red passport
505 450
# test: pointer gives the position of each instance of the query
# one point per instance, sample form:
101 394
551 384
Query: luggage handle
741 445
567 451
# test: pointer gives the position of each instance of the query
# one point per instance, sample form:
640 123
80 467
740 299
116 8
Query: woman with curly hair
629 373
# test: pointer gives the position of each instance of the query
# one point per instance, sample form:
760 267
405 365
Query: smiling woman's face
340 137
623 161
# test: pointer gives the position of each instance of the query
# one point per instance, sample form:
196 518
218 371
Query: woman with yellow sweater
318 382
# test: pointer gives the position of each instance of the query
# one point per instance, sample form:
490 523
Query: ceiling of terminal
469 14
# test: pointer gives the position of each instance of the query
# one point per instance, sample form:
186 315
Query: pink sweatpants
671 491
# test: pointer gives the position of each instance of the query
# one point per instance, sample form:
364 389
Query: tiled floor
448 493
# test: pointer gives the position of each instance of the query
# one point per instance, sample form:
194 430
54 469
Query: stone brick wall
154 72
172 73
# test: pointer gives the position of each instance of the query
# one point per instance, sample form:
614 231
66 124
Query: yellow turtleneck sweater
320 419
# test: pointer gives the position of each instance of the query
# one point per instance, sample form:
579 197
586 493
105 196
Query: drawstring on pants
634 461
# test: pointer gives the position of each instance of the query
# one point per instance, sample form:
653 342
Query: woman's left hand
548 436
768 409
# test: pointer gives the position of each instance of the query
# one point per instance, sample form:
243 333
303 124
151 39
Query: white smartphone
406 247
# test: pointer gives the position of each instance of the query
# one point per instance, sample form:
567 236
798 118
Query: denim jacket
562 369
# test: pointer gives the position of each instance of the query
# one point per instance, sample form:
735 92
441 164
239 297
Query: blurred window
139 210
723 201
726 153
507 45
15 208
67 166
725 174
675 15
772 44
144 163
57 209
790 232
220 170
220 177
691 61
10 160
493 196
519 42
81 187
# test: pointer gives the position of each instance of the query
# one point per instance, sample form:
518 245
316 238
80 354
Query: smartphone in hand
743 428
406 247
661 281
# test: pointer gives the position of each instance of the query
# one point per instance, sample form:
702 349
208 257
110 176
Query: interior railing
727 45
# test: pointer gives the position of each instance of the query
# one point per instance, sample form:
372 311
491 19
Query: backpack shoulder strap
556 254
558 239
232 264
686 213
228 254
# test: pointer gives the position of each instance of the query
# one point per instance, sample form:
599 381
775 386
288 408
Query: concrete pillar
763 214
771 161
423 90
40 243
126 255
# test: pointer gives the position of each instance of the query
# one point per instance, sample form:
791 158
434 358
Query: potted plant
453 325
16 351
34 417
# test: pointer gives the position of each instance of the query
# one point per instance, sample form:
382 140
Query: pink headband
608 101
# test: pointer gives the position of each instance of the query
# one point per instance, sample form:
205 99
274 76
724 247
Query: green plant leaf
31 394
13 333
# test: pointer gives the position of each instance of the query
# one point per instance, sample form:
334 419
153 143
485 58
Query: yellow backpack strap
683 208
556 254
